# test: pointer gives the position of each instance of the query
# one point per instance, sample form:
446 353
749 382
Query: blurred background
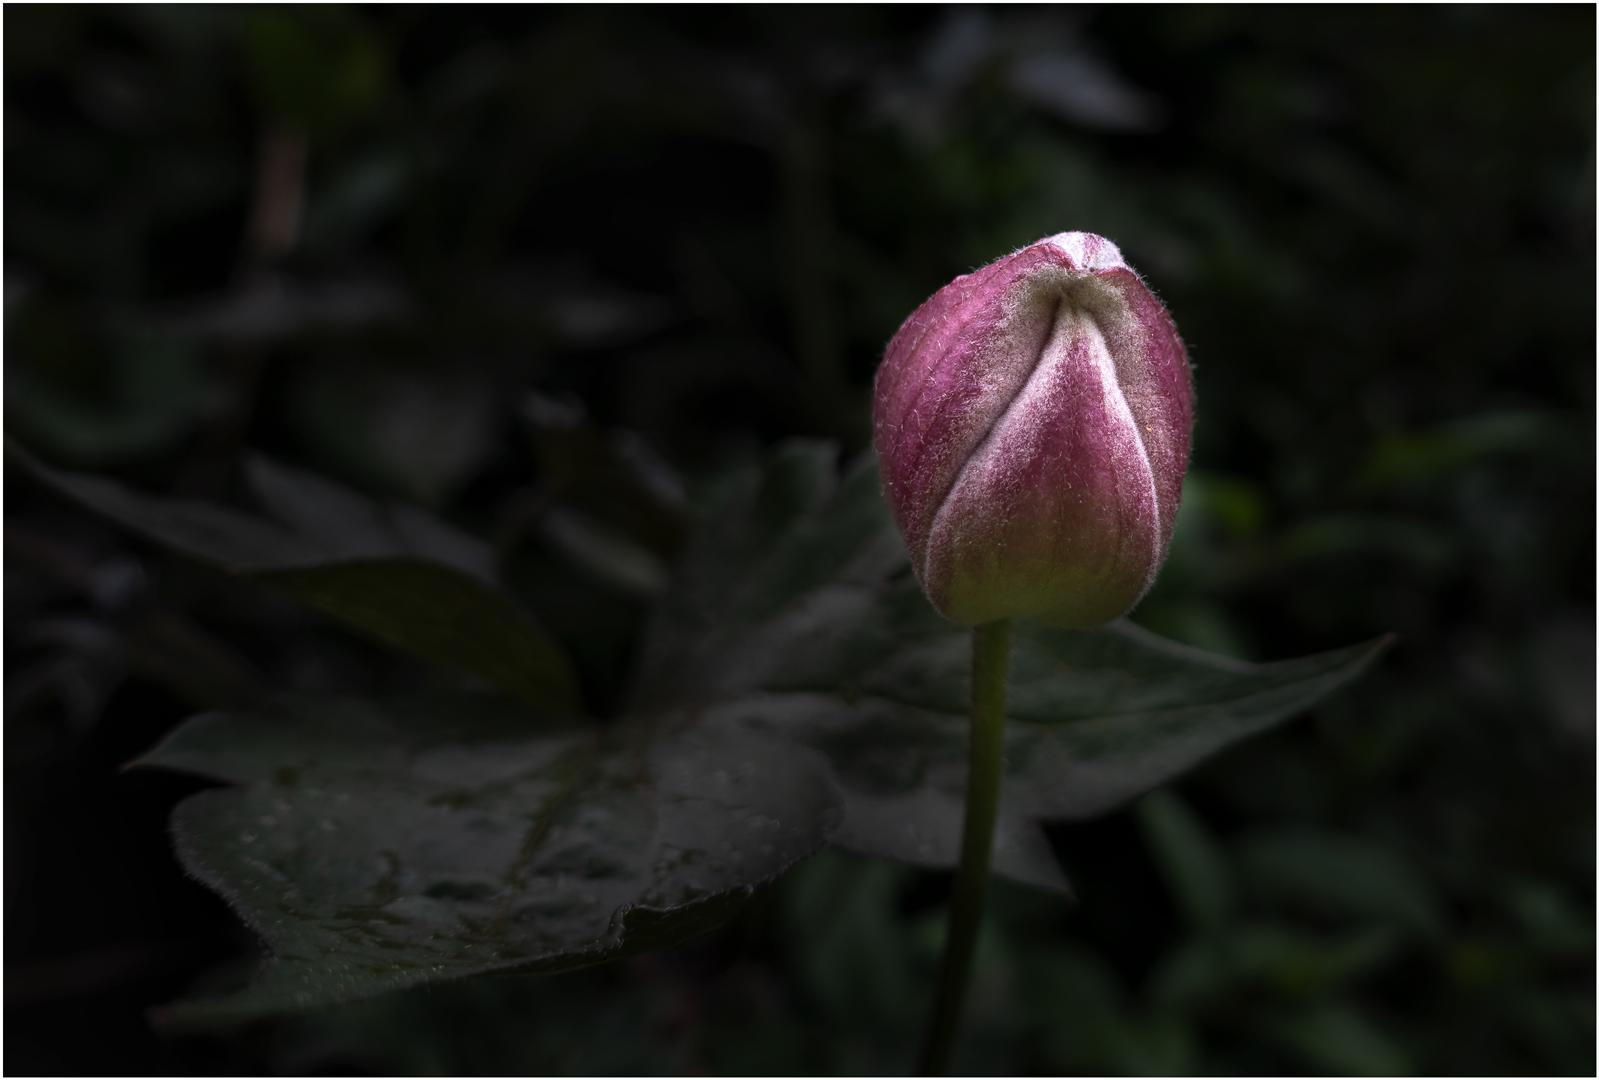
551 272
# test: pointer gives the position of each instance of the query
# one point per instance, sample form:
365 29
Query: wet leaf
382 846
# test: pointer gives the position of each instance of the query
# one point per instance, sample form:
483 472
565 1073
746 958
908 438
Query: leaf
794 612
415 433
318 70
1189 857
774 582
262 311
1076 1004
795 687
169 649
382 846
609 557
1334 1037
433 611
148 392
348 525
613 478
1279 958
393 572
1347 874
214 534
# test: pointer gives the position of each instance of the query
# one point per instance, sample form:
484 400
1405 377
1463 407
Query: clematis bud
1032 423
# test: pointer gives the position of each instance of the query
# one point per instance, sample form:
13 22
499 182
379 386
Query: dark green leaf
1192 862
1276 955
317 70
433 611
613 478
347 525
1335 1038
215 534
381 847
796 610
796 687
393 572
148 392
1342 873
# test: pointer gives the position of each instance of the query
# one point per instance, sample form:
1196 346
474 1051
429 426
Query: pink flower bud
1032 422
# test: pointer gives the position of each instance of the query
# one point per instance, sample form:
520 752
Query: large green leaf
795 614
393 572
381 846
795 687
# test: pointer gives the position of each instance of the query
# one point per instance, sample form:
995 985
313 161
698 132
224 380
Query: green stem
985 767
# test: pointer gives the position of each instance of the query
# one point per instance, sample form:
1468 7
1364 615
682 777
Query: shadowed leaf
795 687
807 625
394 573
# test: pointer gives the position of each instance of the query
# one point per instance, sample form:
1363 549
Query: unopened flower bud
1032 422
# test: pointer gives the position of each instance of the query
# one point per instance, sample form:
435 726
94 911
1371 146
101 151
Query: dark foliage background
431 250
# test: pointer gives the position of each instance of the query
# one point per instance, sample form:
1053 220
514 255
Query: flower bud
1032 423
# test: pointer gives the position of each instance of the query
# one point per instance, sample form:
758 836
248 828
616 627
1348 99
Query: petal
1056 516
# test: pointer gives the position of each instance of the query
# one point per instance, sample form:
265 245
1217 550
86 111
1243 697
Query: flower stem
985 766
